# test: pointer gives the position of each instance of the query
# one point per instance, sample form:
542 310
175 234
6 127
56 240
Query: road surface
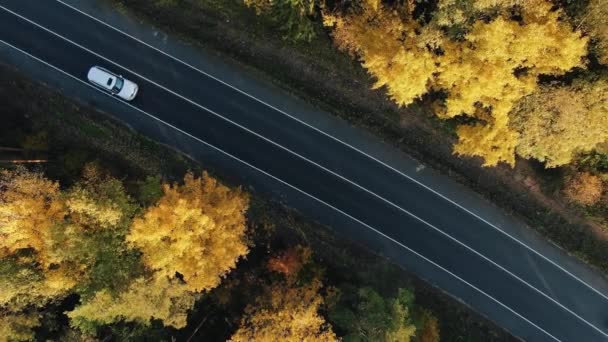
530 288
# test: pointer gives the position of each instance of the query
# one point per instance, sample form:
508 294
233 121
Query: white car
115 84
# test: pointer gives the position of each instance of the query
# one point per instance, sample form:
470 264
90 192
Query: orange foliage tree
429 328
291 261
584 188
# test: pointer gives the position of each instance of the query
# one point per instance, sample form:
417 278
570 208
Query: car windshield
118 85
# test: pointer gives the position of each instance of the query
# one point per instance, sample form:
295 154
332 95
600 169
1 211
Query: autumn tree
18 326
23 285
557 123
55 242
366 316
428 330
90 243
285 313
594 21
457 16
144 300
483 72
29 207
584 188
196 229
389 47
82 240
492 64
290 262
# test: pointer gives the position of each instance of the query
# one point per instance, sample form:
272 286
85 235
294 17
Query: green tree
366 316
150 190
291 17
90 244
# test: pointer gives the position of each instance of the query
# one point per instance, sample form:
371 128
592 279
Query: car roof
102 77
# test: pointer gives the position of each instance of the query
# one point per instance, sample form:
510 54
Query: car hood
128 91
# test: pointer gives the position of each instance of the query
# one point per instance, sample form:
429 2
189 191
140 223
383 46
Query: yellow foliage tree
81 203
145 300
451 13
494 142
485 72
18 327
594 21
55 226
196 229
98 200
29 207
389 47
289 314
482 71
260 6
404 332
557 123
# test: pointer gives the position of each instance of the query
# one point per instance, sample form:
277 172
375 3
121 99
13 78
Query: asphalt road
531 289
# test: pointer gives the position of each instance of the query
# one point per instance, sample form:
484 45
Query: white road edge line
284 183
345 144
319 166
